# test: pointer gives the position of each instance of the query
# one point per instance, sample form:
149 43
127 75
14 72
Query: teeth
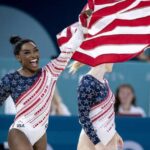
34 60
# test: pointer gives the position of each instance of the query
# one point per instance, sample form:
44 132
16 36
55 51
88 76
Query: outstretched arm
85 95
67 48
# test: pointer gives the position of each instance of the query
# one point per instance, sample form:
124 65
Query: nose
34 55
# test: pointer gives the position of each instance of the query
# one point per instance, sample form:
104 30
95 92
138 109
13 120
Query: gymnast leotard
32 96
96 109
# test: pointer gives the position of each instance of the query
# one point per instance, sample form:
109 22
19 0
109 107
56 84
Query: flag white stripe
98 7
102 21
134 4
101 24
62 34
131 15
120 30
135 14
113 49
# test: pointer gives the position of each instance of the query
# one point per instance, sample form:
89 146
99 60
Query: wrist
99 146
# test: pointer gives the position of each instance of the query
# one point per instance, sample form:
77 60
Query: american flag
116 31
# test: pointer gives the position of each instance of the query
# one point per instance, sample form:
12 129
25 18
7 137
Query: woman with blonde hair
96 110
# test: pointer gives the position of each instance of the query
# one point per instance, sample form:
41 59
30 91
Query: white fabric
114 49
9 108
75 40
33 134
133 111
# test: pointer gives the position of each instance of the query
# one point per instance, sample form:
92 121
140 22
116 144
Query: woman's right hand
115 142
88 13
100 146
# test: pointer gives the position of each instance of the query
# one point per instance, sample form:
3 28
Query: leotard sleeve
86 94
4 89
57 65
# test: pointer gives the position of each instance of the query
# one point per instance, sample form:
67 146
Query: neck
26 72
126 107
98 72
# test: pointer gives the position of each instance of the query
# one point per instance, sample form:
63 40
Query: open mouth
34 62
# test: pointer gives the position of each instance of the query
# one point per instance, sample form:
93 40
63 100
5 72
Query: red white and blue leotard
96 109
33 95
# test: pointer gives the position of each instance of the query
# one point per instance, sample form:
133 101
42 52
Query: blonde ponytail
75 66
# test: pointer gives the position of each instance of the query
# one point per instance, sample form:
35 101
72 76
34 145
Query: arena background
41 21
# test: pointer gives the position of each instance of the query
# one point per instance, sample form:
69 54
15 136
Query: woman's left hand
88 13
115 143
119 141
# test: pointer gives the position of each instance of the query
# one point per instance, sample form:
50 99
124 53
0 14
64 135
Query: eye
36 50
26 53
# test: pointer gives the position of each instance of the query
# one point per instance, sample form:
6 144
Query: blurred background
130 81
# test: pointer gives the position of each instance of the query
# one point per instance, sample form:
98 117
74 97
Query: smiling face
29 57
126 96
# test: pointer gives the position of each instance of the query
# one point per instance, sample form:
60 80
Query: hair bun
15 39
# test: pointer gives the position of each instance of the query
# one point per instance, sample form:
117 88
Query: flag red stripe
64 40
100 2
91 4
83 20
107 58
120 38
116 39
108 11
141 5
145 21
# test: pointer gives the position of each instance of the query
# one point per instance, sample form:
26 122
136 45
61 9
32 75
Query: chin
34 69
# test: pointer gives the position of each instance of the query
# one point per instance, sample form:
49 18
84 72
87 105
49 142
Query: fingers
120 142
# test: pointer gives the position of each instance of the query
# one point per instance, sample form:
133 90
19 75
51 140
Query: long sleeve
4 89
57 65
86 93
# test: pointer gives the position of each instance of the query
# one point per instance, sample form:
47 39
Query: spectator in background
125 104
57 106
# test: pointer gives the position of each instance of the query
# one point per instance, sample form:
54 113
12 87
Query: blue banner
63 132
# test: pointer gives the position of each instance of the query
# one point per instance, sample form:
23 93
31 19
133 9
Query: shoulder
86 85
86 78
87 81
8 77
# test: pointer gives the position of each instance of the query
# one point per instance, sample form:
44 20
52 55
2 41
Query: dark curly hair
117 102
18 42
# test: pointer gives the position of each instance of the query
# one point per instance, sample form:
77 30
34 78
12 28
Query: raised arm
4 89
69 40
85 95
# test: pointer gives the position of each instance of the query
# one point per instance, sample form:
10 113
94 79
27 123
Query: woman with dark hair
32 90
125 104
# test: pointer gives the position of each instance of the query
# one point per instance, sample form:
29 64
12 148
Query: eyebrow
25 50
35 47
